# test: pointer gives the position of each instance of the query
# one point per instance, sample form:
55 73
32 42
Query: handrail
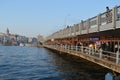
101 21
111 56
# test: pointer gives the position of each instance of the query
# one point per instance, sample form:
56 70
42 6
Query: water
25 63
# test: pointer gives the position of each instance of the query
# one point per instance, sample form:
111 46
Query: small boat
22 44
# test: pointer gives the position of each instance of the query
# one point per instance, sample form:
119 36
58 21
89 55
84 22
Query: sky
33 17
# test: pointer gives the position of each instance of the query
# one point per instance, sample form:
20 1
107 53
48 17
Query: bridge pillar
98 22
81 25
114 17
88 25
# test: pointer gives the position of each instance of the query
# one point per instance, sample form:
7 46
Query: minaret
7 32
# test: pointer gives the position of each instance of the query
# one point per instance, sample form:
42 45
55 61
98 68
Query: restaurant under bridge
96 39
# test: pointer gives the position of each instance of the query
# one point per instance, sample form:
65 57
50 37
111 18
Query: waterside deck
98 58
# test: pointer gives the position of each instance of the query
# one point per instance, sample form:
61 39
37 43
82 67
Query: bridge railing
95 24
118 13
99 53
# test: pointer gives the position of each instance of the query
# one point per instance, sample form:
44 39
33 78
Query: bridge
96 39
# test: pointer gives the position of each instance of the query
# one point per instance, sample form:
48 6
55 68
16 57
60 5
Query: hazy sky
33 17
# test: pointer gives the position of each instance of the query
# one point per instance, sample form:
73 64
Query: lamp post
66 19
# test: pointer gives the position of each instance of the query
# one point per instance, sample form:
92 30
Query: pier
96 39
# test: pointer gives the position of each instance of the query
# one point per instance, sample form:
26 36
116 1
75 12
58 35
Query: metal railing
118 13
91 23
99 53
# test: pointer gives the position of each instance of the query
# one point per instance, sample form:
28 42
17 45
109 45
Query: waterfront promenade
95 56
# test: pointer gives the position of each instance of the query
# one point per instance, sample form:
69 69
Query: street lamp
66 19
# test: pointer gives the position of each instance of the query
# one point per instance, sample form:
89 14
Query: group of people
105 46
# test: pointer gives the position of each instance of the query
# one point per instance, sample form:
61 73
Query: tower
7 32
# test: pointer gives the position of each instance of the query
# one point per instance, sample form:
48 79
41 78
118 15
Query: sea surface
28 63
